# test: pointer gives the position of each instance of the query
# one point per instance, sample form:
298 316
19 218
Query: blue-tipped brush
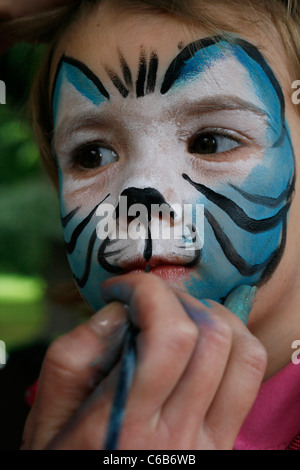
128 363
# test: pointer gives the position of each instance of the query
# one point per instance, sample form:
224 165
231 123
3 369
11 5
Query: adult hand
197 375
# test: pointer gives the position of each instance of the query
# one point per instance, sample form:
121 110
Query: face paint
156 123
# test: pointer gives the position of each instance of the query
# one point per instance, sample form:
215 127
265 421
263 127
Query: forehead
110 58
207 71
97 38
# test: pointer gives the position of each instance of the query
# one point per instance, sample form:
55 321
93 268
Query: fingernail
110 321
198 315
240 302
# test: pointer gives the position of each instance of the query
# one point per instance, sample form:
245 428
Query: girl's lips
168 272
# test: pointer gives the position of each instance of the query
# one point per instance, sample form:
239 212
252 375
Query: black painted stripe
152 74
109 254
118 83
174 70
254 53
277 255
67 218
244 268
101 257
70 246
126 72
266 201
236 213
176 66
87 72
83 279
140 83
148 246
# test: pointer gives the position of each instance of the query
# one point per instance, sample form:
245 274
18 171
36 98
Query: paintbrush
128 364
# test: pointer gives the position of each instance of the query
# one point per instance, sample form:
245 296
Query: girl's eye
94 156
209 144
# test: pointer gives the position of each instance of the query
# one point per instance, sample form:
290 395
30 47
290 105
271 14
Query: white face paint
155 132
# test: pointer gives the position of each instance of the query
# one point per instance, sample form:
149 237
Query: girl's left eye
210 143
94 156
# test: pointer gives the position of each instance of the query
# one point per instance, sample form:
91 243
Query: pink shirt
274 420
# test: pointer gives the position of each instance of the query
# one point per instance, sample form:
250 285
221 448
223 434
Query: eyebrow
85 121
223 103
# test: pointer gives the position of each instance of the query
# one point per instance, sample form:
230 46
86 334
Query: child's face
139 114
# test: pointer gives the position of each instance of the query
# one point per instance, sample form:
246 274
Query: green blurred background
33 264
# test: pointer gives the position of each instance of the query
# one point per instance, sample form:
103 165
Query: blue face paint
245 222
70 71
245 254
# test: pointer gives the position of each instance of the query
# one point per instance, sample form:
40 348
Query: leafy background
32 259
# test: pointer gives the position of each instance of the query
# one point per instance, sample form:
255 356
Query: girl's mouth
169 271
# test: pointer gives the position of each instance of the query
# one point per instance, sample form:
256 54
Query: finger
213 371
165 343
203 375
87 428
240 384
69 371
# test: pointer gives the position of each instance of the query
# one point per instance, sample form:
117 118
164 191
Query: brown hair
48 27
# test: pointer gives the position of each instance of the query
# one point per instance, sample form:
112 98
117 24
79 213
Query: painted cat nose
147 197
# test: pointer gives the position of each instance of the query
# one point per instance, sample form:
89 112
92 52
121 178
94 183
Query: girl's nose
146 197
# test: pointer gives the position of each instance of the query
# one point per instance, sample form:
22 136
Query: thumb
240 301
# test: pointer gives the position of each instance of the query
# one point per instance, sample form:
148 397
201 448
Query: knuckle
220 335
184 337
59 357
254 356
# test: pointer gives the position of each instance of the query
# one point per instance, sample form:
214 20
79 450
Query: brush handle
128 363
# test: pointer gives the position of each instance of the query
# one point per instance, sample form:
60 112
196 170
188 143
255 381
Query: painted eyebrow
83 69
175 68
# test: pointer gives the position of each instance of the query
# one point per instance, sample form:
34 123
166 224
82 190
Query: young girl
183 105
